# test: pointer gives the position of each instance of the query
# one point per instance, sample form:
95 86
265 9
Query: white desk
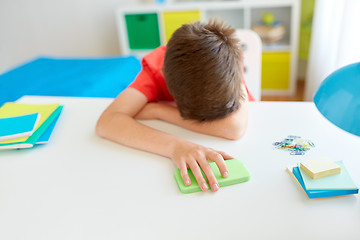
82 187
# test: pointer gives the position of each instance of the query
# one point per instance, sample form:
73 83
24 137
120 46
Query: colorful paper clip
295 145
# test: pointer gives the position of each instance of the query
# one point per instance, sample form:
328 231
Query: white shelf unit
279 60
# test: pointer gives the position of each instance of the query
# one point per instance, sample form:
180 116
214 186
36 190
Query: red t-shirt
151 82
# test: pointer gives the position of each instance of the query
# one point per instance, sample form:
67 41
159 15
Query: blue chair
338 98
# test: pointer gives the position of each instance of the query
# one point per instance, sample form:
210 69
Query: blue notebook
44 138
18 126
321 193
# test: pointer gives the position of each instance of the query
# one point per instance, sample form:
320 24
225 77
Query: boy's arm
117 124
231 127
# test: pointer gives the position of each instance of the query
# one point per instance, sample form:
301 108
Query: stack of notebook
25 125
323 178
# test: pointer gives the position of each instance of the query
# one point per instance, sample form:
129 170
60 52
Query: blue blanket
105 77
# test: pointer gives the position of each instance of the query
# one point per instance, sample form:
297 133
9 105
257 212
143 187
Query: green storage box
143 31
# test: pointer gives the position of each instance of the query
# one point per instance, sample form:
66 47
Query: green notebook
238 173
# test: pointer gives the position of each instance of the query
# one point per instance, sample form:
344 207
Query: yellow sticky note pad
320 167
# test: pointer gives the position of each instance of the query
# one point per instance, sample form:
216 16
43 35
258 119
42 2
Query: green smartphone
238 173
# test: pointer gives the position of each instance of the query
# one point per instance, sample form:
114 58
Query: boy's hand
193 156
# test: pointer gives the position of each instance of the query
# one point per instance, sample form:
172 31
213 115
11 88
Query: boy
201 70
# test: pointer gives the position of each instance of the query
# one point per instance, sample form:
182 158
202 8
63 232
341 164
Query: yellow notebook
12 109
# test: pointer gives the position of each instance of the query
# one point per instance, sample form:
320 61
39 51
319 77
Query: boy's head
203 70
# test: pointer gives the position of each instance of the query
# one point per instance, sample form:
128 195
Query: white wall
334 42
30 28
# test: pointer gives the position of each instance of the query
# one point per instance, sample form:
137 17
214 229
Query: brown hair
203 70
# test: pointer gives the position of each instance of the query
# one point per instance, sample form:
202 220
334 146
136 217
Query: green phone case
238 173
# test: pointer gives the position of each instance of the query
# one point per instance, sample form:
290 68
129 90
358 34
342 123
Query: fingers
224 155
201 161
184 174
219 160
196 158
209 175
198 175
